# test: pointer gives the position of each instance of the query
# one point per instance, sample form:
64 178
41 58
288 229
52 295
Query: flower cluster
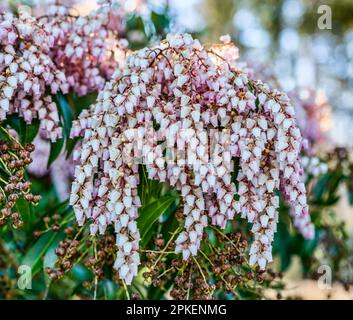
86 48
27 72
312 108
199 123
97 256
313 115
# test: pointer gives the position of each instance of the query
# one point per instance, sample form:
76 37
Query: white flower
225 39
182 80
150 101
178 69
123 271
4 104
252 260
270 184
8 92
119 207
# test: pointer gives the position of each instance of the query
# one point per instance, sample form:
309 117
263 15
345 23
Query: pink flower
86 48
207 112
24 68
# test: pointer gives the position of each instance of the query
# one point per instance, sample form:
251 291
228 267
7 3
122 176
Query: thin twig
166 247
126 290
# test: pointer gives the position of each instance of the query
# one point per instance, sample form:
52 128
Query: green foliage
141 30
150 213
26 132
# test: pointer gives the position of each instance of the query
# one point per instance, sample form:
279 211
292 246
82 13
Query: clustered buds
86 48
27 72
67 252
95 256
13 185
223 269
228 143
312 112
312 108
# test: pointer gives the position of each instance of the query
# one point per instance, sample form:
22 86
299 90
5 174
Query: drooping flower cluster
86 48
196 121
312 108
27 72
313 115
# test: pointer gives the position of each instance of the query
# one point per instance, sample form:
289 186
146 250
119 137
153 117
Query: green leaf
170 225
149 190
55 149
109 289
34 255
78 103
31 131
66 112
60 207
80 273
160 22
135 23
70 145
14 121
26 132
150 213
26 212
50 256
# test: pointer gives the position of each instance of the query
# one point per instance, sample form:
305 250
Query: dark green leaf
70 145
26 132
31 131
109 289
26 212
160 22
81 273
50 256
55 149
150 213
66 113
135 23
35 254
79 103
